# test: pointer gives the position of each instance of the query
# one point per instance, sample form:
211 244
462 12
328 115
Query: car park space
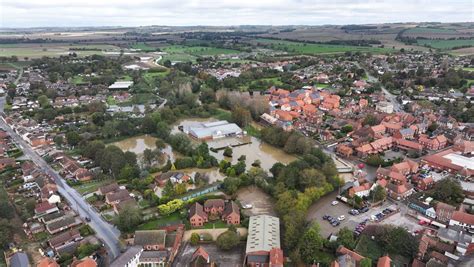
327 215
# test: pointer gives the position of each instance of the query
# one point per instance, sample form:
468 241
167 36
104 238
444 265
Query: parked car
325 217
354 212
334 203
341 218
364 209
247 206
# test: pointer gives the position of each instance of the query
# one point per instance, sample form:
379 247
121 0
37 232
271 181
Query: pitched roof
354 255
64 237
200 253
47 262
44 206
230 208
463 217
86 262
119 195
384 261
149 237
19 259
210 203
198 209
109 188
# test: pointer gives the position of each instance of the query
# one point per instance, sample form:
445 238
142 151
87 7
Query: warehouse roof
264 233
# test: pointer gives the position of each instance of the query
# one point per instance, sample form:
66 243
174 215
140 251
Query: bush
195 239
228 240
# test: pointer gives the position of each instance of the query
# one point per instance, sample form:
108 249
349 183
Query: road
397 107
104 231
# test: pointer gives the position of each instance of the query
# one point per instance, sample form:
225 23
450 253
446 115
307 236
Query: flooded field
138 144
254 149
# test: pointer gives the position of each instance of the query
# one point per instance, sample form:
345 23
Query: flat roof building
213 130
121 85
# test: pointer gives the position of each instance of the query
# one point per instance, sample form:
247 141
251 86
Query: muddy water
138 144
256 149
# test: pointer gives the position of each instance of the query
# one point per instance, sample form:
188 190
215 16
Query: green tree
195 238
58 140
448 190
379 193
366 262
241 116
345 237
128 219
311 243
228 152
6 232
169 190
228 240
43 101
73 138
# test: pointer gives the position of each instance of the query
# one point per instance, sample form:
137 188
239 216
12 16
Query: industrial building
121 85
263 242
214 130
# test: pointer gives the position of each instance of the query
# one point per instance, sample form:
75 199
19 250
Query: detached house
227 211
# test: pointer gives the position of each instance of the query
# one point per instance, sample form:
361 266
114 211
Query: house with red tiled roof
361 190
197 216
465 147
353 256
201 258
276 258
392 127
44 208
435 143
47 262
214 206
444 212
405 167
86 262
344 150
408 145
384 261
425 184
377 130
463 219
231 213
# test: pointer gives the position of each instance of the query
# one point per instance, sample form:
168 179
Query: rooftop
264 233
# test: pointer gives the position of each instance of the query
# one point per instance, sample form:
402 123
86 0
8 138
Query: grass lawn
150 76
223 115
144 47
445 44
312 49
77 80
43 236
108 217
321 85
252 131
198 50
143 204
216 224
368 248
90 187
160 222
111 100
468 69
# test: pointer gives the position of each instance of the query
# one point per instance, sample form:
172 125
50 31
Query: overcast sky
37 13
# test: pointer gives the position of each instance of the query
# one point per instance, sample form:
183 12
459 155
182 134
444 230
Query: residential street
105 231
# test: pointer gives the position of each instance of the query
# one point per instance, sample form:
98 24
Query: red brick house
435 143
214 206
425 184
197 216
231 214
344 150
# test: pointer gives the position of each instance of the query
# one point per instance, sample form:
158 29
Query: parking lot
324 207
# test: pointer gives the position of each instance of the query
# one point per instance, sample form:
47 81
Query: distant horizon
228 26
227 13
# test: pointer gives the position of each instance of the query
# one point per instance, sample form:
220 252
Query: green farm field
446 44
51 50
429 30
313 49
144 47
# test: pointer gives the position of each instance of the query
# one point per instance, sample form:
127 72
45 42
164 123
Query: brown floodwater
138 144
255 149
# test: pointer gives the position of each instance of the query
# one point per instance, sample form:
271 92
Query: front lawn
92 186
160 222
216 224
369 248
